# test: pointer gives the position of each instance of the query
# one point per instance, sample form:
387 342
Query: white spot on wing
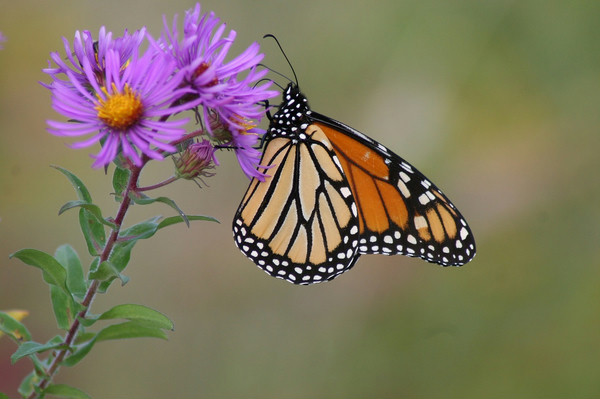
403 189
463 233
420 222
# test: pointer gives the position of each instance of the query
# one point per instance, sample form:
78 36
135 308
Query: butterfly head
293 112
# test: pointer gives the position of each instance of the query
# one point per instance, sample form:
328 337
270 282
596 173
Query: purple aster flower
201 54
128 113
94 51
2 40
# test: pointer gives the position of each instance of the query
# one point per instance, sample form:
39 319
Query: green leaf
120 180
93 231
52 271
13 328
145 229
91 208
81 351
82 191
66 391
3 396
67 257
129 329
31 347
107 271
145 200
142 314
178 219
27 385
63 307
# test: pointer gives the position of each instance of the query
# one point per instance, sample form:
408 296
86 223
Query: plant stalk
59 355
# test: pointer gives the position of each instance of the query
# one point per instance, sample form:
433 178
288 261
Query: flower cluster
126 98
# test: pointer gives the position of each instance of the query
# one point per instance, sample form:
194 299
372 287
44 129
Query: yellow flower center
246 123
120 110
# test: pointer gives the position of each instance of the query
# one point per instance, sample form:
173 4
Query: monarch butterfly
334 194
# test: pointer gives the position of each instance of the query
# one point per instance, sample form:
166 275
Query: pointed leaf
52 271
145 229
63 307
31 347
178 219
67 257
80 352
142 314
120 180
66 391
129 329
82 191
145 200
91 208
13 328
93 232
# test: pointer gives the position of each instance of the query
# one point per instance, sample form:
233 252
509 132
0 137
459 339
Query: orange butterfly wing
400 211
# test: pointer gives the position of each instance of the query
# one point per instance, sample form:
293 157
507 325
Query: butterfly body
333 194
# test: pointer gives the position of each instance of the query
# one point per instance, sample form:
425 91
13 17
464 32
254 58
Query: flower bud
220 130
196 161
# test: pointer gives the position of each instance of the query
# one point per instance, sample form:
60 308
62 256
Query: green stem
58 356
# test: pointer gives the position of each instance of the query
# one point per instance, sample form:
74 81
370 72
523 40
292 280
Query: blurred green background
497 102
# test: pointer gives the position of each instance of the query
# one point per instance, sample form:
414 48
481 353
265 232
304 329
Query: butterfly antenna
284 55
269 80
275 72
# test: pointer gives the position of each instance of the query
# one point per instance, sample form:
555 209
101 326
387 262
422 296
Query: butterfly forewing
332 194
